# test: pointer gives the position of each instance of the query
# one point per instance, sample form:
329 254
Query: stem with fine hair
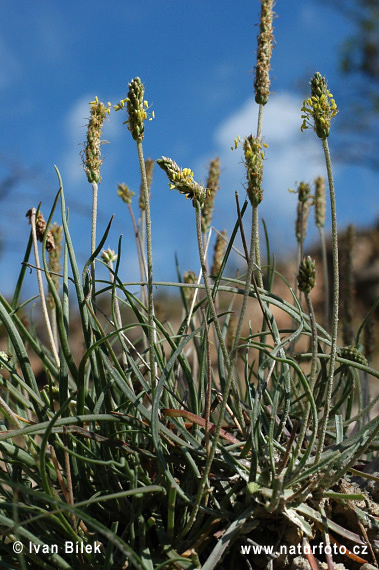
333 348
93 233
140 241
152 330
260 121
255 234
255 225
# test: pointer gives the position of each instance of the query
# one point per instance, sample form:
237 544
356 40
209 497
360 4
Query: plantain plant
190 444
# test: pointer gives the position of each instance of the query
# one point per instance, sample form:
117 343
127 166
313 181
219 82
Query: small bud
4 358
306 278
108 256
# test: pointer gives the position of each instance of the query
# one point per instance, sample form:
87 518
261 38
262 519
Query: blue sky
196 59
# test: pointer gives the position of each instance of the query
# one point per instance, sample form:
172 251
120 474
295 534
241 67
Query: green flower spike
254 157
91 154
353 353
182 180
320 107
213 184
124 193
136 108
306 278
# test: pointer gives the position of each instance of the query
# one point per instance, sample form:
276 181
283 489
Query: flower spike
182 180
254 157
136 107
265 45
306 277
321 107
91 155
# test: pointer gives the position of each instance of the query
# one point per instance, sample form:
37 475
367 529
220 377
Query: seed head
219 252
265 45
304 192
306 278
212 187
320 205
182 180
320 107
254 157
91 155
54 259
41 229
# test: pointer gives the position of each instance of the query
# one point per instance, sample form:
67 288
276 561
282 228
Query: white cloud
291 157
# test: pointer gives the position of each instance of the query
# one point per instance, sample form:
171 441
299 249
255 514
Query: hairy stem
93 233
152 330
255 234
333 348
140 241
260 121
255 225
